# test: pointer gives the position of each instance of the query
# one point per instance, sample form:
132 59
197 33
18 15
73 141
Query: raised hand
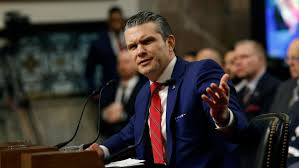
218 99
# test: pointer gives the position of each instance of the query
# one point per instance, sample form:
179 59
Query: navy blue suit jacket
192 140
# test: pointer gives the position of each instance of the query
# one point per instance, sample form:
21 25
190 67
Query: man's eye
131 47
148 41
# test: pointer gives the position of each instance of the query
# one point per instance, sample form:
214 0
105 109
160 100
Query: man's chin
144 71
295 76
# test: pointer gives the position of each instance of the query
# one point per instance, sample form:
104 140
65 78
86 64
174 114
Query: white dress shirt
128 91
119 93
295 96
114 41
163 94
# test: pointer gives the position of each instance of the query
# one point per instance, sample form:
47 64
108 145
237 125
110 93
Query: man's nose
237 62
140 50
289 62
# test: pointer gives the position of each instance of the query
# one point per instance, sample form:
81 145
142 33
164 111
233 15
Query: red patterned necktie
155 126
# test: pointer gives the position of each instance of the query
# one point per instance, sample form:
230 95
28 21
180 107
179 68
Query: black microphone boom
62 144
112 157
107 84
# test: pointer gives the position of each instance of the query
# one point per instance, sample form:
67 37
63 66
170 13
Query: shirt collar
132 82
167 72
253 83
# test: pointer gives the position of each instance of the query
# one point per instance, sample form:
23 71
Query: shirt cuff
231 119
105 150
293 151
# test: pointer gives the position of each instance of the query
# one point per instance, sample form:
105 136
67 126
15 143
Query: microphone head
97 91
110 82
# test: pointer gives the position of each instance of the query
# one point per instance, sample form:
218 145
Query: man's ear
171 42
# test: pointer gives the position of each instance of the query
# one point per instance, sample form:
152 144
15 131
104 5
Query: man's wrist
105 151
229 121
224 119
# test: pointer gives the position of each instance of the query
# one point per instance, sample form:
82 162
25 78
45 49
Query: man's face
247 61
126 66
150 52
293 59
116 21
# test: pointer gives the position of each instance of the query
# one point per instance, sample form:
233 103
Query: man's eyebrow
147 38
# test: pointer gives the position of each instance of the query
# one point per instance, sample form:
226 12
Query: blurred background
44 48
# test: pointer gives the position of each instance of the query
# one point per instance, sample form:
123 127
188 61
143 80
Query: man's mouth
144 62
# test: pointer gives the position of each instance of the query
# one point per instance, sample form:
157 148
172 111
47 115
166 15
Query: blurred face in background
293 59
209 53
248 61
229 63
126 66
188 57
116 22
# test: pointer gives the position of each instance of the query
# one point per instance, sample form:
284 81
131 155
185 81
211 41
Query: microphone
98 118
112 157
98 91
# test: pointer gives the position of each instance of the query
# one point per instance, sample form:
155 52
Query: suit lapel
141 111
177 73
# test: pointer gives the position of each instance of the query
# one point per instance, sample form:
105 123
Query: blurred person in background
119 104
189 56
105 49
259 87
209 53
287 93
229 67
286 101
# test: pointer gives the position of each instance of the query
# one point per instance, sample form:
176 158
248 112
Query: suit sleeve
210 72
122 139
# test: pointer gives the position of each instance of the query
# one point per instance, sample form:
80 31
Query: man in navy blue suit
199 115
105 49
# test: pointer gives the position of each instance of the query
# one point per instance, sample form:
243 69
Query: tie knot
154 86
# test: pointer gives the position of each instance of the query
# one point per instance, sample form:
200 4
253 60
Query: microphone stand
98 118
62 144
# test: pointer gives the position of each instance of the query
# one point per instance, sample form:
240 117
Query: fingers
207 100
212 94
224 79
223 83
217 95
218 91
95 147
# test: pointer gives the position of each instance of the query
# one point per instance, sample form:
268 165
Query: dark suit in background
109 97
261 98
283 97
101 53
105 49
